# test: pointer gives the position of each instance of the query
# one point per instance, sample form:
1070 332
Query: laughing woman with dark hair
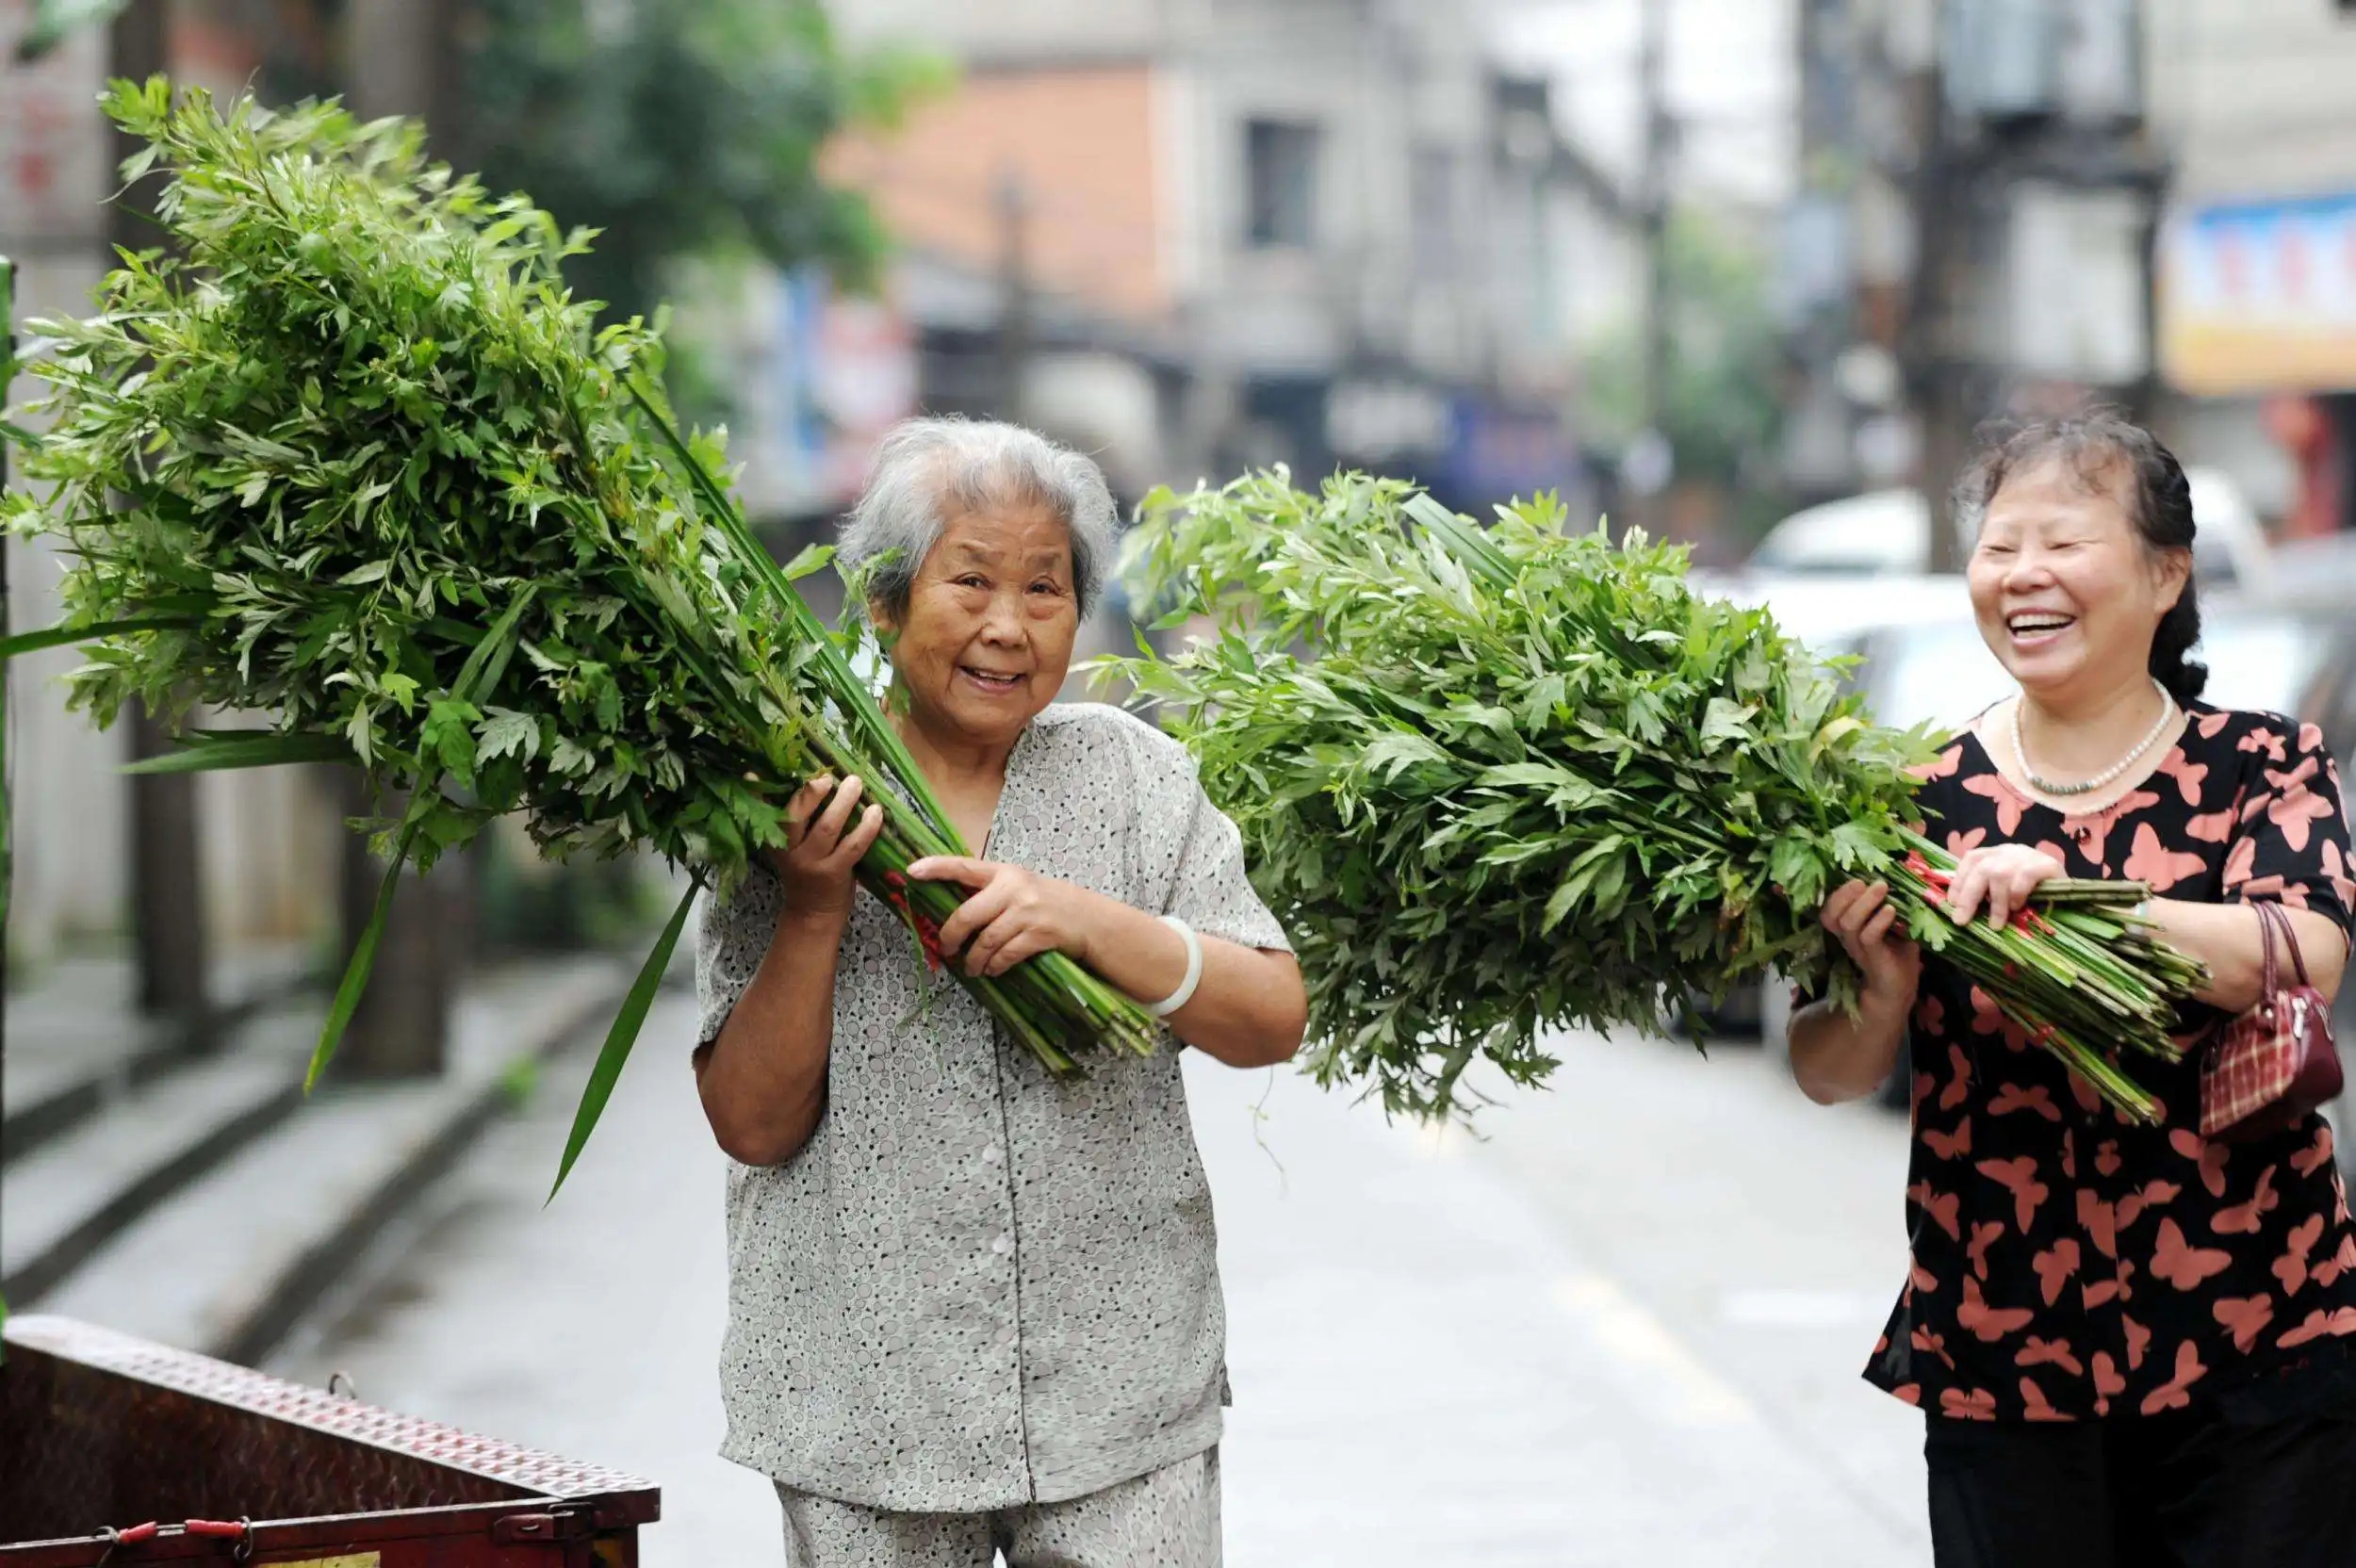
2132 1345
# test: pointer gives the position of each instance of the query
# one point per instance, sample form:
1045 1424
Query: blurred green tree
1722 399
677 129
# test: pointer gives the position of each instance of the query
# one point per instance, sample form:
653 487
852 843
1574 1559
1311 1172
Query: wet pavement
1622 1324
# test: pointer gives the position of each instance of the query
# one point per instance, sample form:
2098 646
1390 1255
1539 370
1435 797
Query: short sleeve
1212 890
1191 860
732 936
2290 839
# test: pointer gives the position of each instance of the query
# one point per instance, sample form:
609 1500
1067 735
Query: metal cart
118 1452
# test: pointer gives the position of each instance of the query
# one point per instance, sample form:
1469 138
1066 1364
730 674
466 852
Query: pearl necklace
2046 786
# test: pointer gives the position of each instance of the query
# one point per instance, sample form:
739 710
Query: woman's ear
2174 569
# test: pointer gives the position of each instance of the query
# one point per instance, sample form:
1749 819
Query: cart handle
239 1530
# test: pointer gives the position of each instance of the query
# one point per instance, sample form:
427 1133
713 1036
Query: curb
279 1309
174 1043
43 1273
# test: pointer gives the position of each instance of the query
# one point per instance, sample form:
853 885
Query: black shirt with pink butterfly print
2067 1262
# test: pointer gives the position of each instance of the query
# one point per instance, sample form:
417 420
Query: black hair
2095 446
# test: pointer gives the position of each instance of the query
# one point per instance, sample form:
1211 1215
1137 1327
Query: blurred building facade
1193 237
268 836
192 876
2015 204
1979 188
2257 262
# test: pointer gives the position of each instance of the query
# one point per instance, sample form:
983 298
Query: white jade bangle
1185 993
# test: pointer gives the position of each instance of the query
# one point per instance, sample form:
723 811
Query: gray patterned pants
1167 1518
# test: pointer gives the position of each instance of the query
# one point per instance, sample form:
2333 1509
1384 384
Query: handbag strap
2270 976
2282 920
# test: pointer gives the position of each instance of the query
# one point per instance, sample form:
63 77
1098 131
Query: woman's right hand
823 847
1861 915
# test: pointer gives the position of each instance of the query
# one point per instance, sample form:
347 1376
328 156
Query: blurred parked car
1939 671
2315 576
1890 531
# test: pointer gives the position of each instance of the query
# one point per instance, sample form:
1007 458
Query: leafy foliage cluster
1464 777
357 459
361 436
1497 781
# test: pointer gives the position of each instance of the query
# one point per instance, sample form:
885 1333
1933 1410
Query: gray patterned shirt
978 1285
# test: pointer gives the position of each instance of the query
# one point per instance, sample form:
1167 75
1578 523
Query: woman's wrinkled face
990 621
2066 594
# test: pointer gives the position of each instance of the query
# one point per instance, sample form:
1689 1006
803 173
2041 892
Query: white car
1831 611
2315 576
1890 531
1925 662
1941 671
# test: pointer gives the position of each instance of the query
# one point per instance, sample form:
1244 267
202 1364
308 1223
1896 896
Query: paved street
1622 1327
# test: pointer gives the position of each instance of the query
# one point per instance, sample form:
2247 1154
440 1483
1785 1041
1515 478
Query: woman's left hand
1012 914
2003 877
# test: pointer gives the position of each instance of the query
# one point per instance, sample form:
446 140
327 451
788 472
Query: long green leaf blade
355 978
861 711
489 657
620 1037
58 636
257 751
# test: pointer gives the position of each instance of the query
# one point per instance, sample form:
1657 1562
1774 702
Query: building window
1280 184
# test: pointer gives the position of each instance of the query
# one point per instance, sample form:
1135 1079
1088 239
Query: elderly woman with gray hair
975 1308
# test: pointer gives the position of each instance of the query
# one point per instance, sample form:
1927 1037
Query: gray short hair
928 470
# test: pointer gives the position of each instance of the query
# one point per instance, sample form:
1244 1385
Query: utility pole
167 865
1651 69
395 62
401 57
1650 462
1013 202
1937 388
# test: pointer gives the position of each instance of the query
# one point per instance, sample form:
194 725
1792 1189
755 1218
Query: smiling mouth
2039 623
990 681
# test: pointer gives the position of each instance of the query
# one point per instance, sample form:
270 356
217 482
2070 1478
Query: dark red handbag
2276 1061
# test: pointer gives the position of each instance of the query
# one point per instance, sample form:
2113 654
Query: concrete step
88 1183
232 1260
76 1041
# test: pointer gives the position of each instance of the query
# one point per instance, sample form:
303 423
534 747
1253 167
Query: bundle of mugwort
1497 779
350 457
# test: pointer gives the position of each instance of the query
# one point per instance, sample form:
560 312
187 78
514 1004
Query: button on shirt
979 1284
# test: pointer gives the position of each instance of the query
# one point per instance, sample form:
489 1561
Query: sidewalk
1436 1359
1451 1350
210 1204
75 1036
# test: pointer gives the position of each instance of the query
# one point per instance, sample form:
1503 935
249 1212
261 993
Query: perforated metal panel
98 1428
